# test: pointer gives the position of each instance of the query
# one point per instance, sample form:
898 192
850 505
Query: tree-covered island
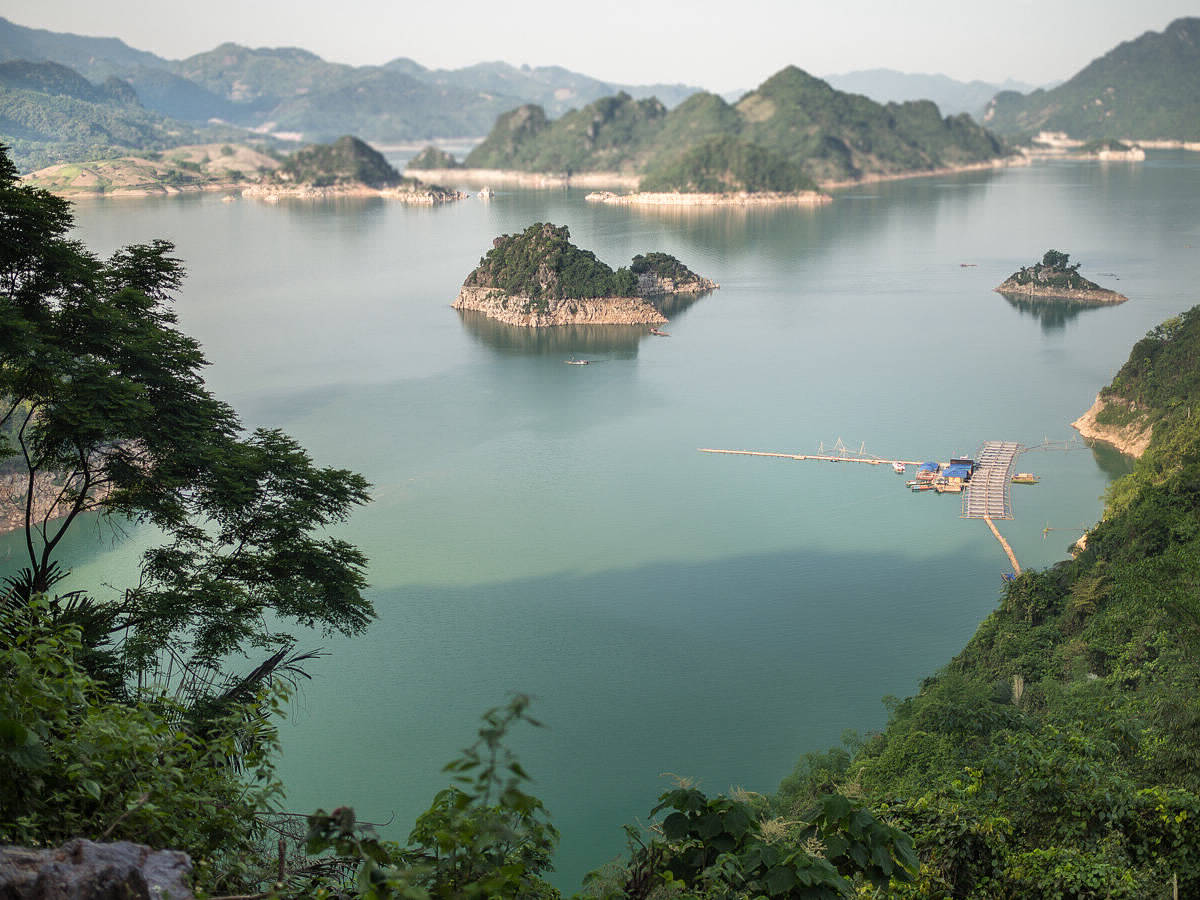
348 166
539 278
784 139
1055 276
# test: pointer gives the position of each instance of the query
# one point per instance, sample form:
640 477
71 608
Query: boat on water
898 468
655 331
575 362
1024 478
922 486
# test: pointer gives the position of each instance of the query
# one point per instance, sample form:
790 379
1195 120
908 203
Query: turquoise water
551 529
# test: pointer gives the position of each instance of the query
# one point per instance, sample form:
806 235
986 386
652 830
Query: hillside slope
1146 88
1059 754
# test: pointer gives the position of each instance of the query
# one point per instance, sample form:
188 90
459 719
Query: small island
347 167
538 278
1055 277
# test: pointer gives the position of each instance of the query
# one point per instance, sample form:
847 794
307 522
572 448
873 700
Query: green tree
104 409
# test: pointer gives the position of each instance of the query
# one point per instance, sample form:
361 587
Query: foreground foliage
1059 754
103 409
78 763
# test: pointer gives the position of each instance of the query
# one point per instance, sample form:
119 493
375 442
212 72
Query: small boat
922 486
1024 478
575 362
898 468
655 331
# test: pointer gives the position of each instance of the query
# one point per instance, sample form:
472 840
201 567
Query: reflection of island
614 341
539 279
1053 314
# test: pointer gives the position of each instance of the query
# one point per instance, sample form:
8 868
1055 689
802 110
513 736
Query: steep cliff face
1131 438
518 310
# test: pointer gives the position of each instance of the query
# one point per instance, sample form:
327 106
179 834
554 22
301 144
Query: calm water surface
551 529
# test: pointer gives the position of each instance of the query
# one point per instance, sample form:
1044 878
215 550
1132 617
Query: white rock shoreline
513 310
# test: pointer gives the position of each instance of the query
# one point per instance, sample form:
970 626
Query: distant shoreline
515 178
602 180
740 198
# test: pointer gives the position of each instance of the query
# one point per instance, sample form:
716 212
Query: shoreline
516 178
430 196
1003 162
514 310
740 198
616 180
1101 296
1131 440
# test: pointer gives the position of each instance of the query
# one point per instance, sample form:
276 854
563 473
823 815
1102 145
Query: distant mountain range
1147 88
138 100
951 96
792 130
288 90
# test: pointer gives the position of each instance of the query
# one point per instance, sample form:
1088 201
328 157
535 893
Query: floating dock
869 460
988 494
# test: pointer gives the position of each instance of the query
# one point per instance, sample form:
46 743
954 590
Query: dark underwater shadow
1051 314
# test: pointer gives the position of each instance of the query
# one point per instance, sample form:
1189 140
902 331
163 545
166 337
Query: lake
552 529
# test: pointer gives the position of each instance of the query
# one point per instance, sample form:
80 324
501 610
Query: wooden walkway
869 460
987 495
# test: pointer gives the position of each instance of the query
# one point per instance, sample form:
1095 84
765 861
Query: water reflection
1053 314
614 341
1111 461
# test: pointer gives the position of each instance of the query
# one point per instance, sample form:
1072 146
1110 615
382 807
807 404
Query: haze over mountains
1146 88
102 96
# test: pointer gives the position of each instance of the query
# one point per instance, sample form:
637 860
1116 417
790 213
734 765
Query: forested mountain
1059 754
1146 88
950 95
50 113
791 118
292 90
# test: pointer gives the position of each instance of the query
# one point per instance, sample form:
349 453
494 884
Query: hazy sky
717 45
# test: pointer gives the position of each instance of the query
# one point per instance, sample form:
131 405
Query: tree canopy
105 409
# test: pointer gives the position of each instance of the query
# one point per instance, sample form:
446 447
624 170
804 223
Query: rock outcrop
1085 295
1131 439
516 310
651 284
85 870
1055 277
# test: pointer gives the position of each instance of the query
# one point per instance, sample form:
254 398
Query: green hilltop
793 130
348 160
1146 88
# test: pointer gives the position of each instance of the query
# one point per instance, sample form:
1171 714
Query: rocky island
538 278
1055 277
347 167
